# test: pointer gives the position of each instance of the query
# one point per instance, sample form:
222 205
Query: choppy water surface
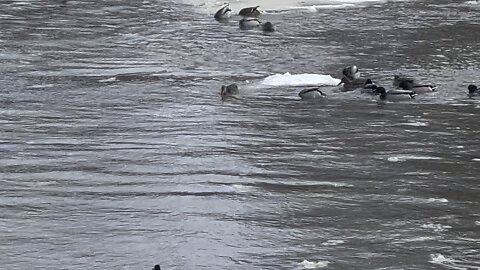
117 152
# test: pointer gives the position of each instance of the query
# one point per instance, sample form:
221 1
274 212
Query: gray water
116 151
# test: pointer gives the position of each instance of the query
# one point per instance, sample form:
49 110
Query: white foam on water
316 8
241 188
436 227
475 159
313 265
333 184
288 79
111 79
439 259
402 158
418 239
41 86
437 200
413 124
333 243
316 183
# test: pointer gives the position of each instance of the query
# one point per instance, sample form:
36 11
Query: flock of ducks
405 88
250 18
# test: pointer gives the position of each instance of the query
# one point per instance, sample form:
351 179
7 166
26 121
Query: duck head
268 27
230 91
472 89
383 93
351 72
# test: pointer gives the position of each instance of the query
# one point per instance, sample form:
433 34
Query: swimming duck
248 23
418 88
395 95
350 85
311 93
351 72
223 13
473 91
250 12
156 267
230 91
268 27
369 87
351 79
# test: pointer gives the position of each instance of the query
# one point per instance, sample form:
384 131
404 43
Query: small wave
477 223
41 86
401 158
437 200
111 79
316 8
413 124
313 265
333 243
338 6
473 3
241 188
436 227
288 79
476 159
415 239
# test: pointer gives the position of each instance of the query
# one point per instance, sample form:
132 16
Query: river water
116 151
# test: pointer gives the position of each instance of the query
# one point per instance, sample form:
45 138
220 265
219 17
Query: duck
250 12
369 87
223 13
473 91
311 93
156 267
248 23
418 88
351 79
357 83
268 27
351 72
229 92
395 95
